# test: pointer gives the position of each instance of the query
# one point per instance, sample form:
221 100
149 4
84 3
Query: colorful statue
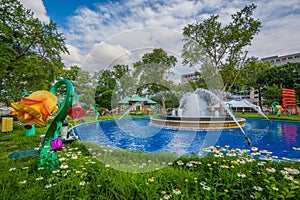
36 108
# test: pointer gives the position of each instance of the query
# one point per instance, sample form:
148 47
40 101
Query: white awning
239 104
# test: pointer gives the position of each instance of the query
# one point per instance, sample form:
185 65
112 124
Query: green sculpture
95 108
49 160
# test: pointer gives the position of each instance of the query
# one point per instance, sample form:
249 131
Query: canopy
124 101
149 101
136 98
239 104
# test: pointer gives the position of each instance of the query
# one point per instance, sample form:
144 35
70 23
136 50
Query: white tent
239 104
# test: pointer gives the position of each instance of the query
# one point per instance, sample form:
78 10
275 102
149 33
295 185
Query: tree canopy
29 52
217 48
152 71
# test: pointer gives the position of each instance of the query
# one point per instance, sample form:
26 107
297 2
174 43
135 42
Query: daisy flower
39 178
166 196
82 183
271 169
176 191
257 188
179 162
224 166
205 187
241 174
288 177
12 169
64 166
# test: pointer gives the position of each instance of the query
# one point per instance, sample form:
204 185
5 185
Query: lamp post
164 105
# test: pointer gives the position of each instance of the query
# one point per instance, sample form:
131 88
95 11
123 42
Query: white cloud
129 47
104 56
74 57
37 6
280 29
124 25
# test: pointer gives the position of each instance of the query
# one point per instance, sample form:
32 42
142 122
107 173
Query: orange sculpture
35 108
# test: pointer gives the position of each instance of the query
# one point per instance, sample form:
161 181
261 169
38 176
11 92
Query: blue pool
279 137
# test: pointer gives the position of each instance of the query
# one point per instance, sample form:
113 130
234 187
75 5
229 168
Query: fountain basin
206 122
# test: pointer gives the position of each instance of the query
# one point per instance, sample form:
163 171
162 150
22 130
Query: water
279 137
256 108
201 90
130 109
193 105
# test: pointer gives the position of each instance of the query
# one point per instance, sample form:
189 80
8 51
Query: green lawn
255 115
89 171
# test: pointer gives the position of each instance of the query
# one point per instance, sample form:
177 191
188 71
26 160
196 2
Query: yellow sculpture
36 108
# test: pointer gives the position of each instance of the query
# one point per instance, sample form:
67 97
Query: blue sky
103 33
59 10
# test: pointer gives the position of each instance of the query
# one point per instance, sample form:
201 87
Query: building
281 60
185 78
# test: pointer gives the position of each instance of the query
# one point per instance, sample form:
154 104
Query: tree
271 93
29 52
152 72
285 76
106 84
84 84
217 48
124 81
249 74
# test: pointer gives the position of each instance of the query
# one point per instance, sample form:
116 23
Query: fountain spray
228 111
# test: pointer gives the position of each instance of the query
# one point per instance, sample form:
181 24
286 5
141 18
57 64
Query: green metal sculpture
95 108
48 159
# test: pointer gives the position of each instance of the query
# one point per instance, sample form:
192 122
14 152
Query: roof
124 101
239 104
149 101
136 98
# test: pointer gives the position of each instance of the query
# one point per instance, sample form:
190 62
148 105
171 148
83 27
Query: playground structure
289 101
288 106
277 108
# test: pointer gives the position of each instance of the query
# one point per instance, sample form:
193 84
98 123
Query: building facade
185 78
281 60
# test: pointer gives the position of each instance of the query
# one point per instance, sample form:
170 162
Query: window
283 59
290 57
277 60
296 56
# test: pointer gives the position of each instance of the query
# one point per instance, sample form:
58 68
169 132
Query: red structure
289 100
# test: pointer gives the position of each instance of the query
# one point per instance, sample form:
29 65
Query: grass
255 115
90 171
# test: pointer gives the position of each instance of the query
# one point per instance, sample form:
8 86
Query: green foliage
285 76
29 52
152 72
250 73
271 94
171 99
217 47
104 88
125 83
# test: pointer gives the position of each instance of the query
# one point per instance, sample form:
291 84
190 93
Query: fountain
257 108
130 109
196 114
